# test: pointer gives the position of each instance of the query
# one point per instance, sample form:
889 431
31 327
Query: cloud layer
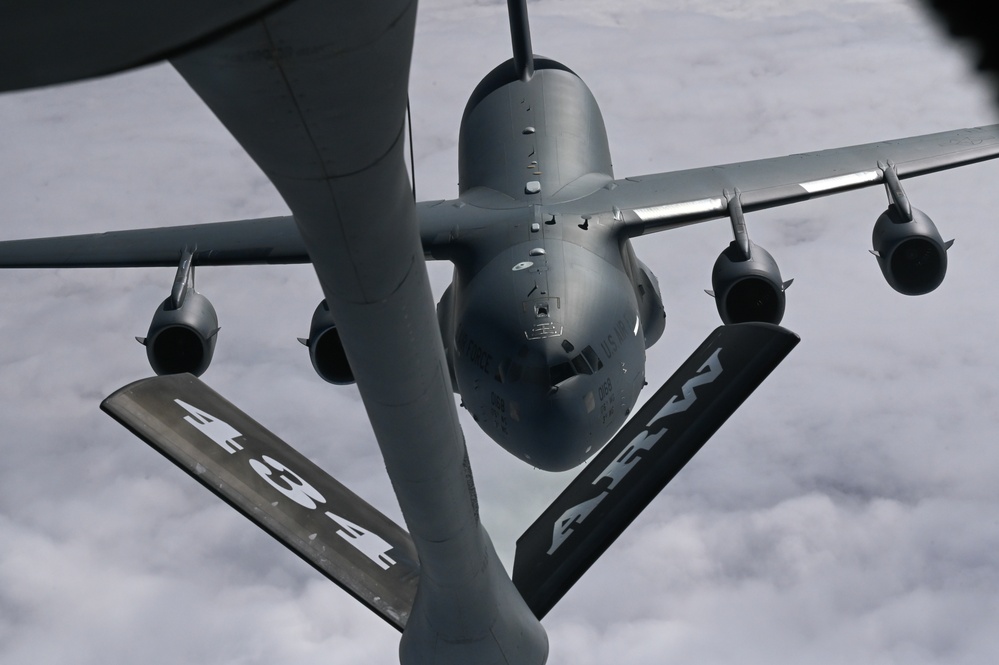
847 512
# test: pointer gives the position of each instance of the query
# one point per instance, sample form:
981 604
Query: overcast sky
848 513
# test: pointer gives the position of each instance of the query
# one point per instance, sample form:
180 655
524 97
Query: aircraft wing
667 200
268 240
646 204
250 241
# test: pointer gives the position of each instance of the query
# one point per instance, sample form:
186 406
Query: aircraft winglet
652 447
323 522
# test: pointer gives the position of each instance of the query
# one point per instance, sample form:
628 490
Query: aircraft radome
853 487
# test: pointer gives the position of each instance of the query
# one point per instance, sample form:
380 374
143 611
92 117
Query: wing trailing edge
277 488
617 484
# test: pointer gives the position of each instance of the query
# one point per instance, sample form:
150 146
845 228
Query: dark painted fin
600 503
289 497
520 34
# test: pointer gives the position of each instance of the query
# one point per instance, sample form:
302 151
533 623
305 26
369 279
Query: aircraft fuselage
549 313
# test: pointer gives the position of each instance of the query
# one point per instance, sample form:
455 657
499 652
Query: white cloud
845 514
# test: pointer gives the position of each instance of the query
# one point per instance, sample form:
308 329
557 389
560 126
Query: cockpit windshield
584 362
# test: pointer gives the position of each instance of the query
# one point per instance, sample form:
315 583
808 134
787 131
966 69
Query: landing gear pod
326 350
182 339
910 252
748 288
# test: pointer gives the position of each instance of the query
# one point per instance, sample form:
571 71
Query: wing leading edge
658 202
268 240
243 242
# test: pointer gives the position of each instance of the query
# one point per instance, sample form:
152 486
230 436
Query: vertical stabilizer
520 34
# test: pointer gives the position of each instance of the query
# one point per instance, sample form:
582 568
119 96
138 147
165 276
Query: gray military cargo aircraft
543 330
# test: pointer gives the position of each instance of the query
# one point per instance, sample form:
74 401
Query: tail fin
520 34
652 447
285 494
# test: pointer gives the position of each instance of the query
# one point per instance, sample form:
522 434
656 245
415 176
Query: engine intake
326 350
182 339
911 253
748 289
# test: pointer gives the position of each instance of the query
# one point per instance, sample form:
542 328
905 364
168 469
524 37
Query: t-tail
520 34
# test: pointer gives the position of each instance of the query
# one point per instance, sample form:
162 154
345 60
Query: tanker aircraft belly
542 332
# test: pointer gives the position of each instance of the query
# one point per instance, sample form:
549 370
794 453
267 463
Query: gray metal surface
328 85
311 513
53 41
520 34
244 242
667 200
274 240
546 130
669 429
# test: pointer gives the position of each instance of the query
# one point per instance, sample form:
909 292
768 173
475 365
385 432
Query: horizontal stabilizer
295 501
652 447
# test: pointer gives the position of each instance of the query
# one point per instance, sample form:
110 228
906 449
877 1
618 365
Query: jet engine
650 304
748 289
325 348
911 253
182 335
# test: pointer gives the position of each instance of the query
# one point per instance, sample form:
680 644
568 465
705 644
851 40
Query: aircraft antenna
412 160
520 33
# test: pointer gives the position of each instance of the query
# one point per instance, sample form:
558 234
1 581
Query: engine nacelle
748 289
182 339
326 350
911 253
650 305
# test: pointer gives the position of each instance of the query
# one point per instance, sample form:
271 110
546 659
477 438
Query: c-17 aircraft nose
548 366
553 405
